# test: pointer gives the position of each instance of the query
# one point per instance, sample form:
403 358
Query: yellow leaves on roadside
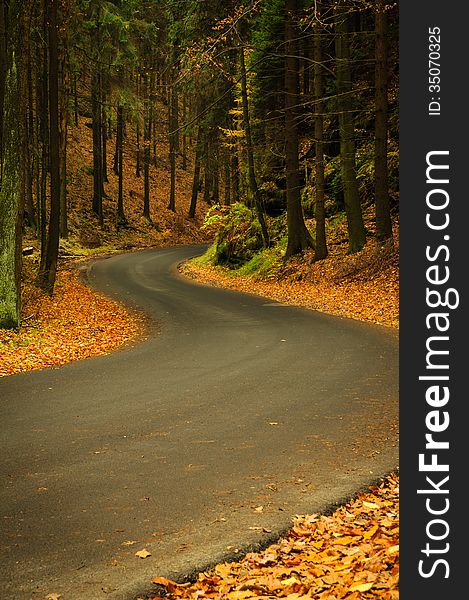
143 553
350 555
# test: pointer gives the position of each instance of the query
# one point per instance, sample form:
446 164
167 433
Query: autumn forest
201 199
265 126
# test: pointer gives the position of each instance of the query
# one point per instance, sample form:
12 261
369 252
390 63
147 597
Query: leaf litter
352 554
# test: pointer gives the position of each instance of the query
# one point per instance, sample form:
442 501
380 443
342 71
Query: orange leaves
75 323
351 555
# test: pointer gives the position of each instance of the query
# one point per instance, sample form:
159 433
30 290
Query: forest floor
352 553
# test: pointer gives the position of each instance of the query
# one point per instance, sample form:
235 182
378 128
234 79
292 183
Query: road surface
235 414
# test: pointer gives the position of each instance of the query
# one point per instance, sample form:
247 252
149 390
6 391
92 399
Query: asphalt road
234 415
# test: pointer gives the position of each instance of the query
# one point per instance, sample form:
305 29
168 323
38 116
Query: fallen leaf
143 553
290 581
360 587
370 504
370 533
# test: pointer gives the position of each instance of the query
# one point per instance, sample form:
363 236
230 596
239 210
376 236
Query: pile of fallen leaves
75 323
352 554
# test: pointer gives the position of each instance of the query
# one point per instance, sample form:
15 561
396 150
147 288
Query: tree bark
184 133
146 153
10 189
172 133
64 96
299 238
382 211
356 229
97 147
321 243
47 274
196 179
121 218
250 153
3 75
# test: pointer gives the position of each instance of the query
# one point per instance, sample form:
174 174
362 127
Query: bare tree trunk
356 229
138 161
299 237
48 272
184 133
195 181
28 127
97 147
321 243
137 165
382 211
64 95
250 154
3 75
146 153
11 91
121 219
172 124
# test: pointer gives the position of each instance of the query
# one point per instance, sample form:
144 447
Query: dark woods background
284 111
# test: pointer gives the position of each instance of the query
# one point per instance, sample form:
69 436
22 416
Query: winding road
235 414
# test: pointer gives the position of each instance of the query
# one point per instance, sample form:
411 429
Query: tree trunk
121 219
382 211
104 145
356 229
195 181
28 127
115 161
299 237
47 274
64 95
10 189
250 153
321 243
3 75
137 164
43 127
97 147
184 133
172 125
146 153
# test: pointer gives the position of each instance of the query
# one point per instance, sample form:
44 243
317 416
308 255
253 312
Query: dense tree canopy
287 107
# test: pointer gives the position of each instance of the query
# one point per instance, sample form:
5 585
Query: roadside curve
235 414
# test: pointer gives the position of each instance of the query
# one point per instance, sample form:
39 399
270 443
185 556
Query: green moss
208 258
263 264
